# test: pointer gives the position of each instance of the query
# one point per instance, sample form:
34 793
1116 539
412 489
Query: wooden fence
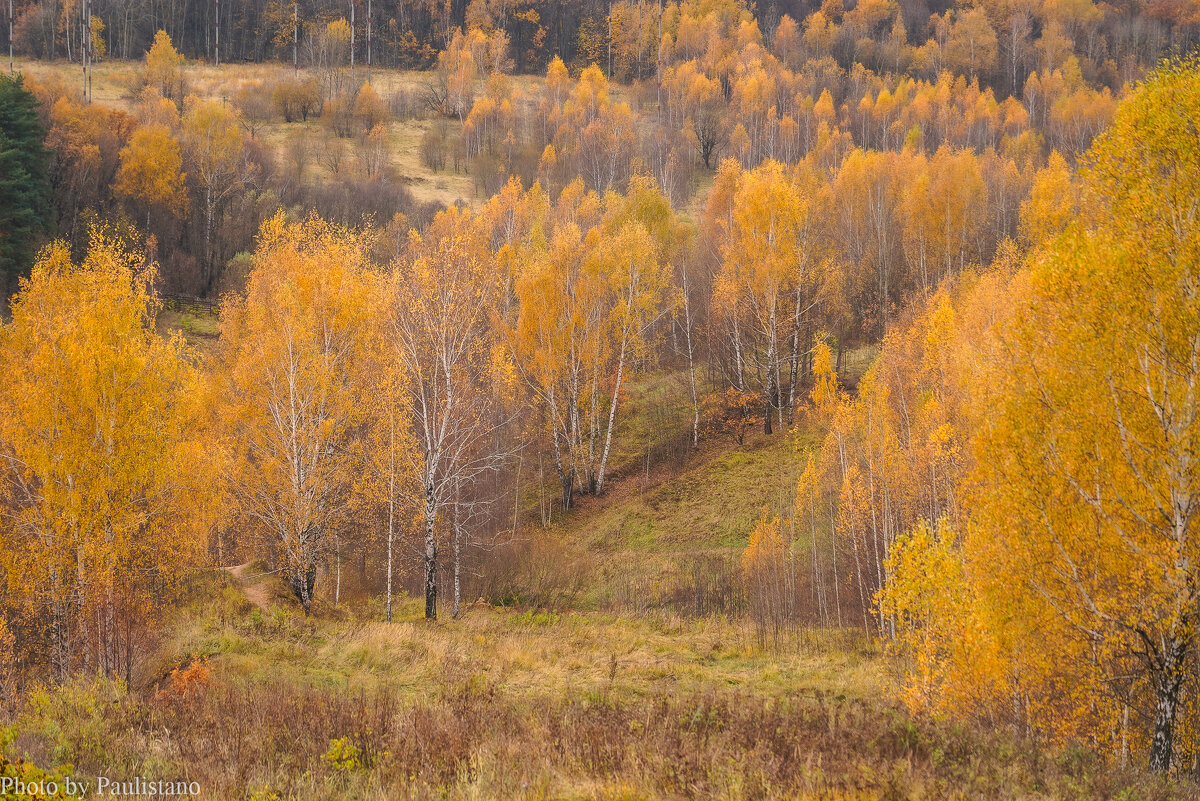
200 307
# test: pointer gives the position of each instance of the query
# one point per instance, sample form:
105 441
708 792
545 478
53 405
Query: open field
112 83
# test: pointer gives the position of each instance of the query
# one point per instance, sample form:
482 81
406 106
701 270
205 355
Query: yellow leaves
152 170
765 548
1051 203
163 66
212 133
337 32
972 46
768 222
94 415
1079 462
1024 411
369 108
592 282
824 393
293 355
96 30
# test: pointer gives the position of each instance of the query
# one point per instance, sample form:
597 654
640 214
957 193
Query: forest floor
524 703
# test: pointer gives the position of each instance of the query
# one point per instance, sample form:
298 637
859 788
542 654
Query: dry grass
527 653
446 186
110 79
527 705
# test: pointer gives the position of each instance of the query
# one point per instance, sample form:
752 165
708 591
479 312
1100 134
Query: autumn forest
705 399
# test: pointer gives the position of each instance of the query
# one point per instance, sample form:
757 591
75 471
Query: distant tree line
1000 43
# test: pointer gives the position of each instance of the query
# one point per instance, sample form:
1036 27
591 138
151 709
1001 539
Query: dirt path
253 585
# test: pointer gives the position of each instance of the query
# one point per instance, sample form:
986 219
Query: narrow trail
253 585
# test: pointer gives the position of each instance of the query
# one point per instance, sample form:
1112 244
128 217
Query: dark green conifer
24 177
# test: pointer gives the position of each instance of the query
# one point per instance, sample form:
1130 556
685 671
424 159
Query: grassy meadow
265 703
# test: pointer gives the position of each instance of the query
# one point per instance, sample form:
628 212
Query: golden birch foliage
215 142
440 325
94 416
761 220
164 66
824 393
386 490
765 547
593 281
899 452
1051 202
292 350
1089 488
154 109
767 224
954 665
769 576
369 108
151 170
1075 396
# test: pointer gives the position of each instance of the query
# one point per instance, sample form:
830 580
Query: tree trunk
687 330
391 533
565 478
612 413
337 587
430 554
767 405
206 275
457 569
837 592
772 387
610 60
1168 680
794 377
303 580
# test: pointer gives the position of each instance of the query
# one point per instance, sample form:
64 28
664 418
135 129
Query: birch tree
387 485
587 303
216 152
292 347
439 324
1094 483
94 418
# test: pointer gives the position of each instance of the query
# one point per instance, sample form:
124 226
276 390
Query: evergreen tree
24 176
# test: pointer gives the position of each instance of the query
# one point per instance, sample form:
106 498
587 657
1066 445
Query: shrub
342 756
338 115
296 100
255 103
369 109
433 147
